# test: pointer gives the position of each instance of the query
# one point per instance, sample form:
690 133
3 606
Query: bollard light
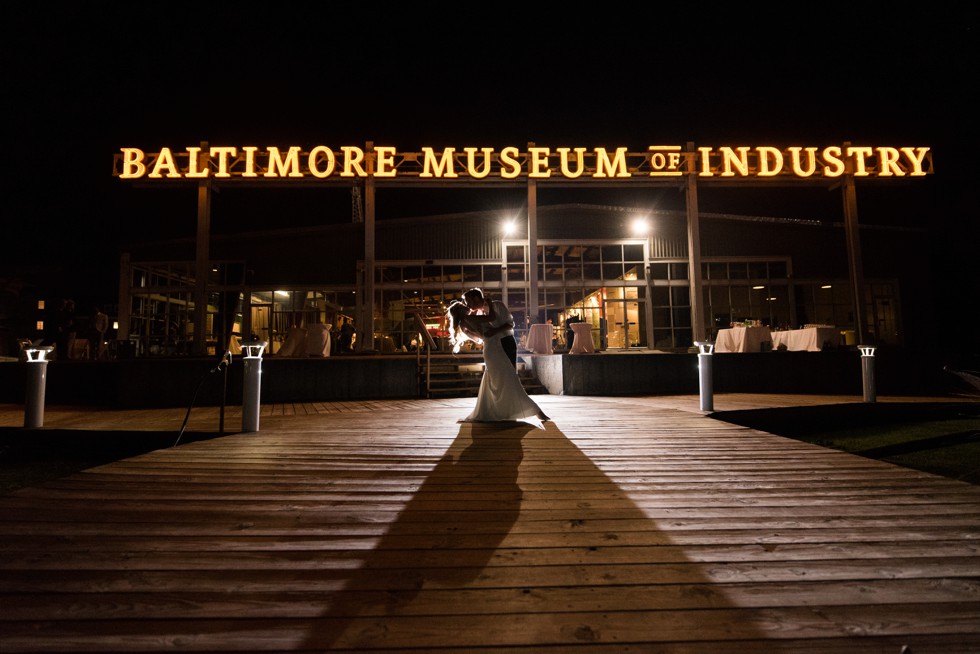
868 372
252 384
37 368
705 374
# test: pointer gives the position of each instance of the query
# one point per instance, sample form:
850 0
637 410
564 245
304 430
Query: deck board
627 525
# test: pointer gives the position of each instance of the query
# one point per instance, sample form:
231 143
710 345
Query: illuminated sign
251 163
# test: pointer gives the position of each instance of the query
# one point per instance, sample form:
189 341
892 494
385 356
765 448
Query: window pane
633 252
757 270
612 271
491 273
660 296
682 317
473 274
592 271
678 271
680 296
612 253
658 271
718 270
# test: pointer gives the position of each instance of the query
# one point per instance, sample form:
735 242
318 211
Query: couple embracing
502 397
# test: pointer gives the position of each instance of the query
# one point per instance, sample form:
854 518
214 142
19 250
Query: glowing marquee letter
132 164
731 160
443 167
916 156
384 163
705 163
353 162
831 156
811 162
538 166
604 167
279 165
510 167
317 153
165 160
579 158
770 161
471 168
860 154
665 160
193 159
222 153
249 151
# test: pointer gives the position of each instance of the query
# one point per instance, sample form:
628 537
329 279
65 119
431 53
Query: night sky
82 84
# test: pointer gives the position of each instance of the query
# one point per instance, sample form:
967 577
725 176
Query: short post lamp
868 372
252 385
705 374
37 369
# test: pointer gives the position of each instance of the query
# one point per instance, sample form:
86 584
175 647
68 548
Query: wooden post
694 248
532 250
365 330
125 310
854 263
202 261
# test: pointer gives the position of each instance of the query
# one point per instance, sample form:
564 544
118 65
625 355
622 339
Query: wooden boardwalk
627 525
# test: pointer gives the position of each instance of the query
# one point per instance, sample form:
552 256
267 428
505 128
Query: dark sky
84 82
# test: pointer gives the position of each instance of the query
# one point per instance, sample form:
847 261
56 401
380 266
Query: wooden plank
337 527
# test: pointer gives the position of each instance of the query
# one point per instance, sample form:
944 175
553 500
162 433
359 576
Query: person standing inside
100 325
347 335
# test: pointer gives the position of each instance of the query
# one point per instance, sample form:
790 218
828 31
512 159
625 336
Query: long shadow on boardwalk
468 563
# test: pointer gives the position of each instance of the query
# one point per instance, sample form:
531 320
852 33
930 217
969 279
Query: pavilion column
532 250
202 266
694 247
854 263
365 330
125 310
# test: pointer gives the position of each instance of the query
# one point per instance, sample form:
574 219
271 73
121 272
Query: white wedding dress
502 398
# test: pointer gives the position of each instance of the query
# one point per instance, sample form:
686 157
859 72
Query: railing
425 339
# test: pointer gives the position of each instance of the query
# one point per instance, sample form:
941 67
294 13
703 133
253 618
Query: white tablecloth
809 339
295 343
582 343
539 339
318 341
742 339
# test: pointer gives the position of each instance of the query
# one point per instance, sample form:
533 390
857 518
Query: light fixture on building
758 288
826 286
510 227
640 227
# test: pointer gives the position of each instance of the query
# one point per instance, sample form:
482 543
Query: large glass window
740 290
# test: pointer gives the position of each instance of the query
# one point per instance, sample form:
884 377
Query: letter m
441 167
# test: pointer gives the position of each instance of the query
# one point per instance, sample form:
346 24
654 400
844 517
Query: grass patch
942 438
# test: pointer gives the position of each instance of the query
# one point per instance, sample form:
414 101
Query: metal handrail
430 345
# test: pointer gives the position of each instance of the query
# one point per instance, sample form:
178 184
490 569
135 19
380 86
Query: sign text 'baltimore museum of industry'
510 163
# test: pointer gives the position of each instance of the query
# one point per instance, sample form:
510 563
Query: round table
582 343
539 339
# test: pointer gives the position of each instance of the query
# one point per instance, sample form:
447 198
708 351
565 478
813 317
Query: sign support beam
694 251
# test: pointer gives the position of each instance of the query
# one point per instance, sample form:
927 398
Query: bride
501 398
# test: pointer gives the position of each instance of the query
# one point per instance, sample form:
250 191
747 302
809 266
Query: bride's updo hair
455 314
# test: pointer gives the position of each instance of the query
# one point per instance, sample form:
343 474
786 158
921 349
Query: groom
501 320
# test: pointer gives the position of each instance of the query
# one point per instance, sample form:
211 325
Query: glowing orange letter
132 163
